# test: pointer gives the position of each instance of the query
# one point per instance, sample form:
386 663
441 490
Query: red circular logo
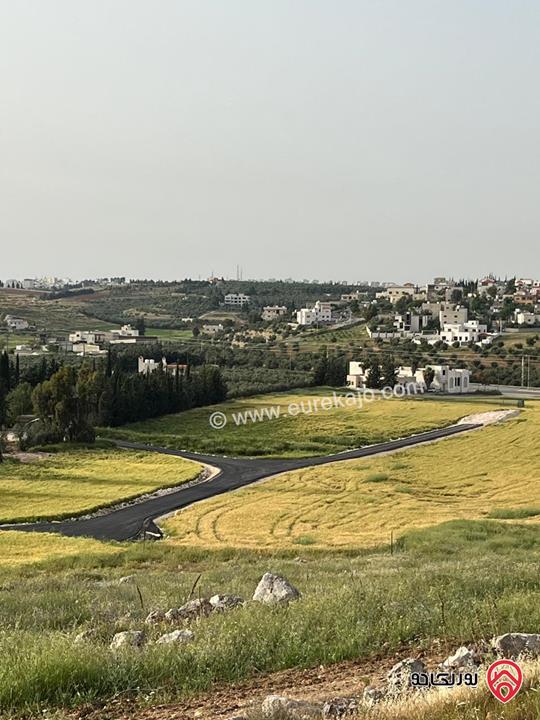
504 678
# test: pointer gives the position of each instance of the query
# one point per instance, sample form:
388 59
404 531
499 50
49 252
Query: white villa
321 312
446 379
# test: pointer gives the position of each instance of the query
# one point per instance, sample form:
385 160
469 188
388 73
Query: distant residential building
349 297
411 322
236 299
147 366
523 317
394 293
463 333
321 312
453 315
445 379
93 337
87 348
16 323
211 329
273 312
30 283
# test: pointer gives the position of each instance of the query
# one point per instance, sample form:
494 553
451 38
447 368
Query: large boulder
221 603
128 638
276 707
513 644
275 589
176 637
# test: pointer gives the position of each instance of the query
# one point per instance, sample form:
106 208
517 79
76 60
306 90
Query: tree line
70 401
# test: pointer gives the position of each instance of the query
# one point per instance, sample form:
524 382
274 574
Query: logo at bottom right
504 679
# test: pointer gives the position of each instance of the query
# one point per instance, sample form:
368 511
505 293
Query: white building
212 329
522 317
445 379
146 366
236 299
463 333
273 312
93 337
15 323
87 348
321 312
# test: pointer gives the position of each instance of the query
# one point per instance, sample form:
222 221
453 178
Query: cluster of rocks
398 681
271 590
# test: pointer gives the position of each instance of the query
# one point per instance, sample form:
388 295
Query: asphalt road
128 523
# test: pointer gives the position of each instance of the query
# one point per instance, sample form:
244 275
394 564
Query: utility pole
528 371
522 370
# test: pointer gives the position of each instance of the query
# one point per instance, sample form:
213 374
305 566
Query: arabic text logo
504 679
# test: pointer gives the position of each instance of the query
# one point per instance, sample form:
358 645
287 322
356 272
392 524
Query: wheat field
492 472
73 483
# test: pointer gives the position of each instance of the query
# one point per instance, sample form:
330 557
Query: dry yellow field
25 548
359 503
77 482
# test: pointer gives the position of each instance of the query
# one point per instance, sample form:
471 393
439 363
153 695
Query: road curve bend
129 522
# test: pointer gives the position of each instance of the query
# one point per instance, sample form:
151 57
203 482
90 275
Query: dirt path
348 678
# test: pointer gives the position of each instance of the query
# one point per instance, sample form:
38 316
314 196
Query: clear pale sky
336 139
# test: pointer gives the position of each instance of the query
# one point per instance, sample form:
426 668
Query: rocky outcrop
512 645
275 590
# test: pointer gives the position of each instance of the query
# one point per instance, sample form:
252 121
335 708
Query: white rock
128 638
514 644
273 589
220 603
276 707
373 695
462 658
176 637
340 707
127 579
399 677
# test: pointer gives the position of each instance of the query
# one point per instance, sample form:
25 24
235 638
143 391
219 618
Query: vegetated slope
73 483
493 471
313 430
455 583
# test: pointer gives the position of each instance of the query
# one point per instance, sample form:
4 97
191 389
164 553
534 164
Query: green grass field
73 483
492 472
456 582
313 431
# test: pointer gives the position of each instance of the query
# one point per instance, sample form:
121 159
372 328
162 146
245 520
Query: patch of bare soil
348 678
29 457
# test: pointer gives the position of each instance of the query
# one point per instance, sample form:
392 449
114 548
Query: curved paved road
128 522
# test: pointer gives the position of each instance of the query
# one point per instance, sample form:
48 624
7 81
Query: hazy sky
335 139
